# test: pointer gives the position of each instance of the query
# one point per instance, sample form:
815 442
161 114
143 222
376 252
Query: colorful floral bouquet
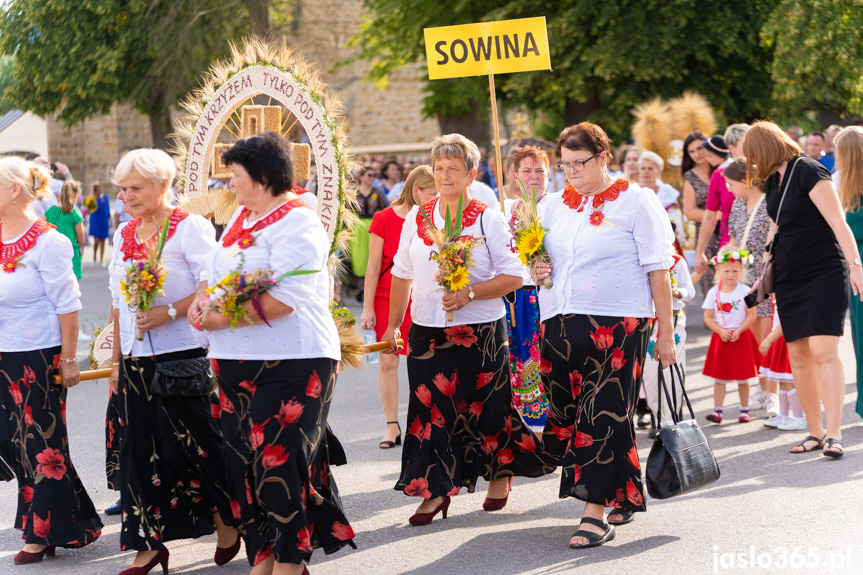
528 233
238 287
90 203
454 255
145 279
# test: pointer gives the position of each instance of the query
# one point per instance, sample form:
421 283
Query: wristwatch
470 293
172 311
857 262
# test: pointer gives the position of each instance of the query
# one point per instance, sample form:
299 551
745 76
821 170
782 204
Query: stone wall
92 148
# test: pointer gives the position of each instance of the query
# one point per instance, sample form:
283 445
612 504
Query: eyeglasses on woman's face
575 166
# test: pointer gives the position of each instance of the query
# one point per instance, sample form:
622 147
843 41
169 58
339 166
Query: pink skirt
732 361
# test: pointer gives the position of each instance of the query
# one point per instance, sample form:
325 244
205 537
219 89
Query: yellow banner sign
487 48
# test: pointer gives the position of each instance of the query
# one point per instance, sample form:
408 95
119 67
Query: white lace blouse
42 287
603 269
492 256
184 256
297 241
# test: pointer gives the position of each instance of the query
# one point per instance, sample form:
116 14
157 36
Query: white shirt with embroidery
492 257
729 309
184 256
42 287
296 241
603 269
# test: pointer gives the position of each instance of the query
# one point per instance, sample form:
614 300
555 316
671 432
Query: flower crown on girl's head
728 257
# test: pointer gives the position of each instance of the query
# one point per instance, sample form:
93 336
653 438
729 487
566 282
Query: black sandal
819 443
391 444
593 539
834 444
627 516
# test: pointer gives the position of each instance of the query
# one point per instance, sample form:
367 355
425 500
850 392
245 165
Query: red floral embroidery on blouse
245 236
577 202
468 218
133 249
11 254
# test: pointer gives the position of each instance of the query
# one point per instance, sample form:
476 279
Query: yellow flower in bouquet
529 242
90 203
458 279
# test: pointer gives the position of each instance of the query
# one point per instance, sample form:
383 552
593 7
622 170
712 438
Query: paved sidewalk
780 511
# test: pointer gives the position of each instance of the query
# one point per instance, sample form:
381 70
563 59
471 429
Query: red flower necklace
134 250
11 254
469 216
244 238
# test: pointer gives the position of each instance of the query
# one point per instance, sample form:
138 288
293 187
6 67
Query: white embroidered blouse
184 256
295 241
492 257
602 254
35 287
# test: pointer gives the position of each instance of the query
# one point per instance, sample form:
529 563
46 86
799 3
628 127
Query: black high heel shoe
391 444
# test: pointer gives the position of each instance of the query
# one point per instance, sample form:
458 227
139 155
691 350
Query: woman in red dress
385 230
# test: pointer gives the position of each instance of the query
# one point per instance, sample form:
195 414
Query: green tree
7 68
607 56
83 56
818 56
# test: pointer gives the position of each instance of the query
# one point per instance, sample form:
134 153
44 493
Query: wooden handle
87 375
380 346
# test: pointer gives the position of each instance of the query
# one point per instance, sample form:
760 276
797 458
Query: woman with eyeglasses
610 247
370 200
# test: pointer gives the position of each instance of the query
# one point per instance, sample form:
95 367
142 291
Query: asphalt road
771 512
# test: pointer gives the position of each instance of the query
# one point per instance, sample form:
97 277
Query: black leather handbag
680 460
183 378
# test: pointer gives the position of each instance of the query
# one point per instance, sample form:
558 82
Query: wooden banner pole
499 174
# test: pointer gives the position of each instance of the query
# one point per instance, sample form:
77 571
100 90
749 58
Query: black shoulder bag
680 460
192 377
768 271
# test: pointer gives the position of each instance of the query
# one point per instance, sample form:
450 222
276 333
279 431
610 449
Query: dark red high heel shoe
225 554
25 557
161 557
491 504
426 518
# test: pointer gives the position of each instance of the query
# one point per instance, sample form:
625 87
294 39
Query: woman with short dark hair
816 259
276 369
609 242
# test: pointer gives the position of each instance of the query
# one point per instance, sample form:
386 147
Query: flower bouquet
145 280
90 203
238 287
528 233
454 255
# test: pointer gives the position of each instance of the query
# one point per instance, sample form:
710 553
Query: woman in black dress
816 257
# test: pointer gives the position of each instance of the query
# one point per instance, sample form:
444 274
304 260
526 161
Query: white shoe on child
775 421
757 399
771 407
794 424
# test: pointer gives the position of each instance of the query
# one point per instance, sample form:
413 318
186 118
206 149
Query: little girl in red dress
733 355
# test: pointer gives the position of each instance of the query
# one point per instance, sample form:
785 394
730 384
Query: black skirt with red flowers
274 419
462 423
53 506
592 367
171 472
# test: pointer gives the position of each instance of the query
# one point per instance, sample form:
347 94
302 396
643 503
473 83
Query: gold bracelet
115 364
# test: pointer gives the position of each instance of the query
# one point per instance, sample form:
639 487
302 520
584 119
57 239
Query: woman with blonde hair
849 178
69 221
816 258
172 471
39 303
385 230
